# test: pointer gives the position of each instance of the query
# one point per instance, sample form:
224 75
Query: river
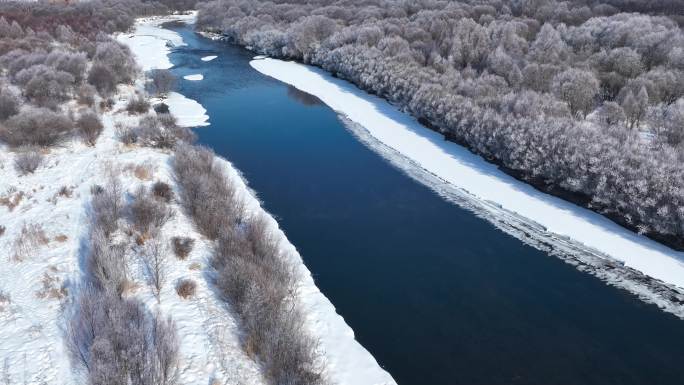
437 294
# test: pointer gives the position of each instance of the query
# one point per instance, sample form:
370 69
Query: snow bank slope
347 362
150 44
459 167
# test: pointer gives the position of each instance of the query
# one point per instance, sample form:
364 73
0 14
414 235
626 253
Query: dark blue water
436 294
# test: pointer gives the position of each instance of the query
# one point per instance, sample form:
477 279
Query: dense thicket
578 97
51 54
117 340
252 272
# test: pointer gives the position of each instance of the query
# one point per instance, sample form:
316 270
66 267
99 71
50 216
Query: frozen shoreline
604 244
347 362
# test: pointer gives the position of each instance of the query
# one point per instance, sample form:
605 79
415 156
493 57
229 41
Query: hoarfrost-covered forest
583 99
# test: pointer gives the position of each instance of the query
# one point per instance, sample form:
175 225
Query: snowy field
46 275
347 362
493 189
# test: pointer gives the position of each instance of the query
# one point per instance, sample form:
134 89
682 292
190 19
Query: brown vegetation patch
186 288
31 237
61 238
52 288
11 199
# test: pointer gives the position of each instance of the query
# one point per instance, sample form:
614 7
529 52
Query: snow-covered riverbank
592 239
347 362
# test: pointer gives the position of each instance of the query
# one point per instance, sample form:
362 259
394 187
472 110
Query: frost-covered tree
577 88
162 81
548 46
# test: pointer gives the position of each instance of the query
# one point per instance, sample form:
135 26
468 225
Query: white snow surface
209 58
188 112
193 77
151 44
459 167
347 362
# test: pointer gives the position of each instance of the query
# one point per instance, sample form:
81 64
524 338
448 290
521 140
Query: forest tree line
582 98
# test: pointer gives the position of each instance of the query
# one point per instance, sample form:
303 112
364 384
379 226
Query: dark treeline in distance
581 98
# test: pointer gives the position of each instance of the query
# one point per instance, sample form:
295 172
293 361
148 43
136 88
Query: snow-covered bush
138 105
28 160
119 342
182 246
89 127
162 191
36 126
147 213
162 82
9 103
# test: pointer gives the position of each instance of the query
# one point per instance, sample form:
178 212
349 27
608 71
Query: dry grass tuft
12 198
129 287
61 238
195 266
51 288
143 171
31 237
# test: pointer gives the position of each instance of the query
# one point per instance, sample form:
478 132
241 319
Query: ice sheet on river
589 238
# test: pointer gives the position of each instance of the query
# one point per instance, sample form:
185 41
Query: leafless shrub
31 236
118 341
127 135
155 257
106 263
186 288
9 103
35 126
162 81
161 131
102 79
167 120
147 213
85 94
89 127
182 246
162 191
107 206
28 160
138 105
207 193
